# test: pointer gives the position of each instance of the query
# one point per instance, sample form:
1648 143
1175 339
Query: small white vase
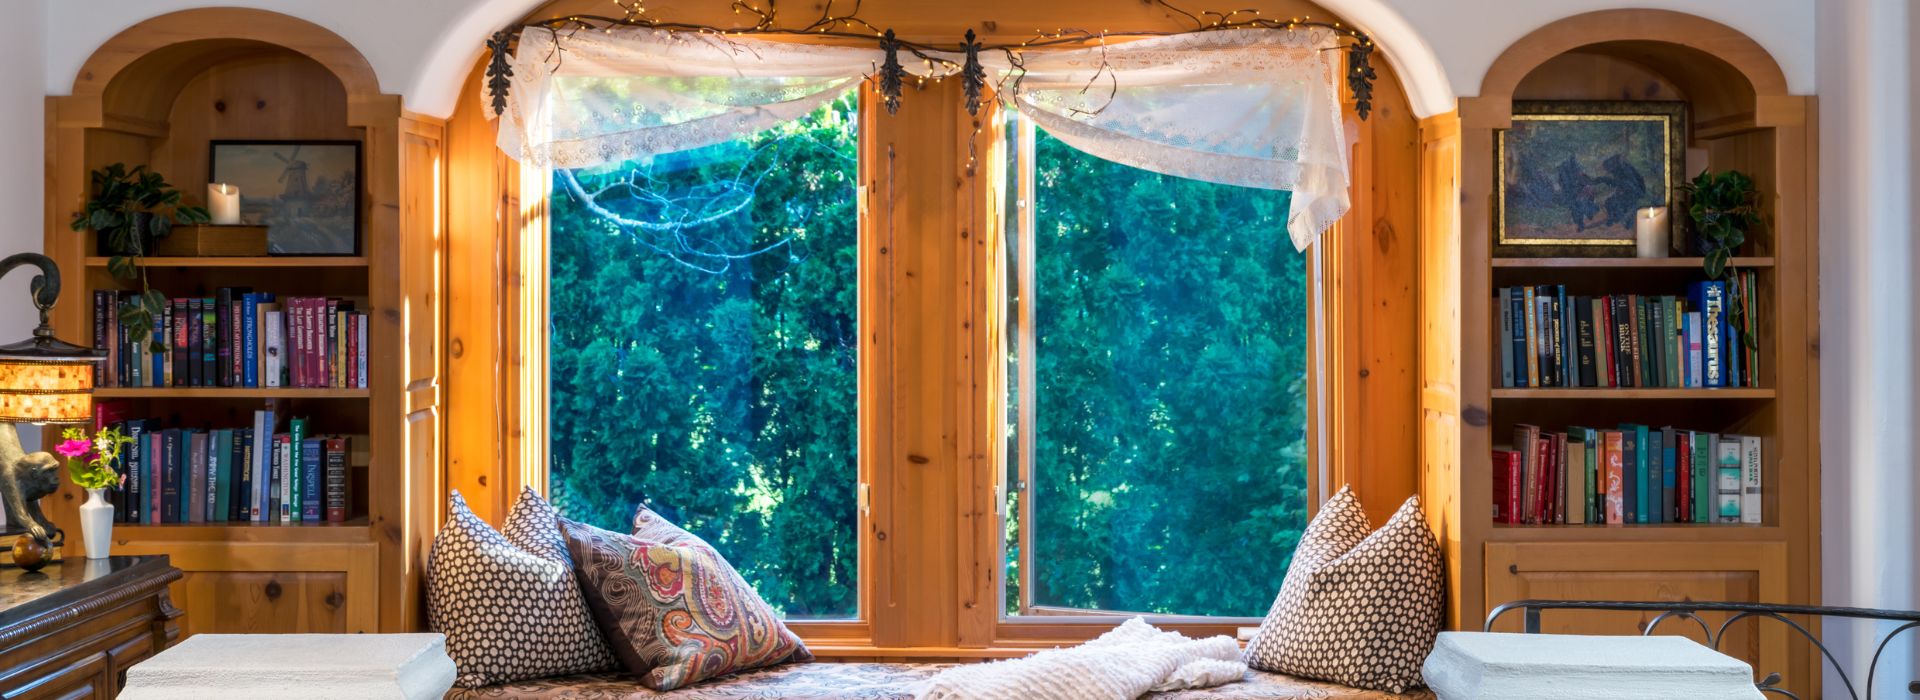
96 524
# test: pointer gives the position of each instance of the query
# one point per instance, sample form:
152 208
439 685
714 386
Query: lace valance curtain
1254 107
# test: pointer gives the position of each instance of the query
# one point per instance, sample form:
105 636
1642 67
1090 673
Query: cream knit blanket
1132 660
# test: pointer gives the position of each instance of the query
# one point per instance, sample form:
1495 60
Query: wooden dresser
72 629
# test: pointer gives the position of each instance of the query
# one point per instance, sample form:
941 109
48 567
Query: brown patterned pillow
509 614
1357 609
675 612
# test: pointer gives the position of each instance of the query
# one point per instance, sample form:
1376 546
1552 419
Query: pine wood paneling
1441 427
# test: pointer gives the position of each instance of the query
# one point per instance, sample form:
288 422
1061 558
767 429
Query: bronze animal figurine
24 480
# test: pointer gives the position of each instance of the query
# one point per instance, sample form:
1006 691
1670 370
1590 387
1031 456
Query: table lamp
42 380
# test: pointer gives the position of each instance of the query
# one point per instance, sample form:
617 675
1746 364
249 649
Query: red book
1615 475
334 497
1606 343
1542 480
353 351
1506 486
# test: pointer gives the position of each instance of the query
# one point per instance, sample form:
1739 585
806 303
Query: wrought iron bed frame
1531 609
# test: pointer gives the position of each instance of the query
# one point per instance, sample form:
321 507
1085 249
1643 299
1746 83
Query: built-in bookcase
156 95
1741 118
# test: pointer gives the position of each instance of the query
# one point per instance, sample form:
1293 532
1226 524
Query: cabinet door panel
1649 571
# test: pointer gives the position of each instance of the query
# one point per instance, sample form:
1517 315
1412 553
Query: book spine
1531 323
1569 338
336 458
223 355
135 471
1576 464
1517 337
220 448
311 469
1622 340
262 461
1729 461
297 436
1583 332
1505 311
1595 504
331 357
209 342
1683 456
1656 471
1750 489
1656 339
360 325
355 379
1537 486
1614 453
283 489
274 363
102 368
135 360
1557 352
240 508
1675 341
237 315
194 443
1710 298
1636 472
1669 476
162 357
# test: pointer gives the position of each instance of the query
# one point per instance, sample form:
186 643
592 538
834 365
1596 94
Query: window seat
872 681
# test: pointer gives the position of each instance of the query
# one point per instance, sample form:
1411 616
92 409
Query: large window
1158 362
703 352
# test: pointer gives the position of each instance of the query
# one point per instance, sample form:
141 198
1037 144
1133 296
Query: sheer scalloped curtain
1255 108
585 98
1250 107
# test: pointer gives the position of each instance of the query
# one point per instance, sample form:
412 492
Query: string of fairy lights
762 17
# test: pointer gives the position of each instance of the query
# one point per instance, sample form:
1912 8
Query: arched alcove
157 95
1740 117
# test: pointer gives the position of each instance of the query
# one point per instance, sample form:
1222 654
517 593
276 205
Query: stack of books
1632 474
236 338
1550 339
259 473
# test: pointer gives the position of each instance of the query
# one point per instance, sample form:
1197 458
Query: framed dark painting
1572 175
307 193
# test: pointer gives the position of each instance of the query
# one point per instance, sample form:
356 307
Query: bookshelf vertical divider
156 94
1743 118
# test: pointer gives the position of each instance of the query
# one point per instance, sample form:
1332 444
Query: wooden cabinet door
1753 572
271 587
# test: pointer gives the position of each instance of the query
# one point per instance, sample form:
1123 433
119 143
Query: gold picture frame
1571 175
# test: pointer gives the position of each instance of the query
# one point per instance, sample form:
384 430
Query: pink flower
74 448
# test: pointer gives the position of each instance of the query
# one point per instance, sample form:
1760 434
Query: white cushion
370 666
1495 666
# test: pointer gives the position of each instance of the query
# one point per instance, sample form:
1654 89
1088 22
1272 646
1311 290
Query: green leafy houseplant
1722 206
129 208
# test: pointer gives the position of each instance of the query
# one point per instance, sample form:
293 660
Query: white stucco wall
1856 54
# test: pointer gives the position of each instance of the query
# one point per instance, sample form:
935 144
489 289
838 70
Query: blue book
1711 299
137 431
1517 305
310 466
249 340
1645 479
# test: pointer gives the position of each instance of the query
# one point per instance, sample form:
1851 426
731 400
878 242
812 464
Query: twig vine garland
848 25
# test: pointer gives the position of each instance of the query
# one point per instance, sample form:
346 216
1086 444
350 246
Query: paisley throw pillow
674 611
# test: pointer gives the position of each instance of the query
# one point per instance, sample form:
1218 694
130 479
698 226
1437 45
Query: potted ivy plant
131 208
1723 206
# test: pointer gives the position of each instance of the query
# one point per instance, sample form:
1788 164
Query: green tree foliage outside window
703 352
1169 451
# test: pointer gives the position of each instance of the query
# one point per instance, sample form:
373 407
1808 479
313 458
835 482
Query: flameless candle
1651 233
223 202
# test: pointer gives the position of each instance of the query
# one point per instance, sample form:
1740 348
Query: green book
222 447
1676 361
1590 470
1637 462
296 427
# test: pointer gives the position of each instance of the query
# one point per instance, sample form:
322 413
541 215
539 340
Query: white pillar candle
1652 234
223 202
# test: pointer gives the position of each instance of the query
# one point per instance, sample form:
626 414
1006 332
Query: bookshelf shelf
355 530
225 393
279 262
1620 394
1632 533
1620 263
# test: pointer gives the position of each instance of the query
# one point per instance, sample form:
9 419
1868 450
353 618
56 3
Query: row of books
236 338
1632 474
249 474
1551 339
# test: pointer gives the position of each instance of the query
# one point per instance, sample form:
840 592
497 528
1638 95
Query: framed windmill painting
307 193
1572 175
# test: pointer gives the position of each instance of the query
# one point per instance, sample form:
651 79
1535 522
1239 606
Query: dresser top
25 595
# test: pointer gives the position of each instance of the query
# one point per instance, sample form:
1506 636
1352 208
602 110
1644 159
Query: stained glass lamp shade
44 379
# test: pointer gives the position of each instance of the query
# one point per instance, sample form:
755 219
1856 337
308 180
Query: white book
286 483
273 351
1750 480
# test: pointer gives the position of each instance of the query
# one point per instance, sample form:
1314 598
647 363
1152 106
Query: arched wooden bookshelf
156 94
1742 117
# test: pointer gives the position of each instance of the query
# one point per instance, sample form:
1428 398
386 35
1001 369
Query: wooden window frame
931 555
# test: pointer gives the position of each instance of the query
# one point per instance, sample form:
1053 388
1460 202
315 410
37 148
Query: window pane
703 352
1169 371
